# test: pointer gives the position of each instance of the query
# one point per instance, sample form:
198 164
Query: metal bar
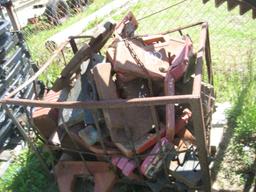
99 132
39 72
12 16
73 45
103 104
175 30
129 135
39 136
64 58
81 36
198 76
199 131
182 28
27 139
208 58
35 89
74 143
1 12
14 59
199 61
159 11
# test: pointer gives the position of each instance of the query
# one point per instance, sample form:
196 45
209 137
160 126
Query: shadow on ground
251 178
232 118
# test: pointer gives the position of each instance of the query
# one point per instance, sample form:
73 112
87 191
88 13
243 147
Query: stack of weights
15 69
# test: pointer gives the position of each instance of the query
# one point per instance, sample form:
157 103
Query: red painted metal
182 121
175 72
153 162
126 165
45 119
65 172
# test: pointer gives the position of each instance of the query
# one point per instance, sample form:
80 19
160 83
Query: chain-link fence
39 20
232 36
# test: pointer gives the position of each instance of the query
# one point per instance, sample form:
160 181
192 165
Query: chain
152 108
140 64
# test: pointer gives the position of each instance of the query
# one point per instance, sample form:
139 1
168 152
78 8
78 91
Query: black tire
56 10
77 3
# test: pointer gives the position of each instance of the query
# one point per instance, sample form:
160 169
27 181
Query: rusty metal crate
195 100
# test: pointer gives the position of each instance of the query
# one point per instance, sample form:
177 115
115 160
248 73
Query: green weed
27 174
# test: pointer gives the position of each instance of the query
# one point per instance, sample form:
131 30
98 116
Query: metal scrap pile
137 142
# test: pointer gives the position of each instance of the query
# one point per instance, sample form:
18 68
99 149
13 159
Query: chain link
140 64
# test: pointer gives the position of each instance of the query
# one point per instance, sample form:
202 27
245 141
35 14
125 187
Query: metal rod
35 90
39 72
129 135
99 132
35 129
64 58
1 12
159 11
27 139
199 131
182 28
73 45
12 16
199 61
106 104
208 58
175 30
74 143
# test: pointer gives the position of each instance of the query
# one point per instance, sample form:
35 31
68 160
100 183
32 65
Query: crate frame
194 100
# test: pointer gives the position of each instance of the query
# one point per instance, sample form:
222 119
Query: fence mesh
233 37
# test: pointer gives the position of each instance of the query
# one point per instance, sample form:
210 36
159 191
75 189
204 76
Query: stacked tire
56 11
15 69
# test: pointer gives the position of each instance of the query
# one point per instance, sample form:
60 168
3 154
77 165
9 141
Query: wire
161 10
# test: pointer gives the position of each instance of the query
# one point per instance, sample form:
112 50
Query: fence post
9 8
198 124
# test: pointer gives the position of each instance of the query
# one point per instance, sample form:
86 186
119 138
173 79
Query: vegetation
27 174
239 163
36 35
233 49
